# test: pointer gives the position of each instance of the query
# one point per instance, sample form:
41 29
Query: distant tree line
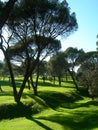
62 65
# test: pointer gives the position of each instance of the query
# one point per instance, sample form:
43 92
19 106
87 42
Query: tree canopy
88 72
5 11
33 27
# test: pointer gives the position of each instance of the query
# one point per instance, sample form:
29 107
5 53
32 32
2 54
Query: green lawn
56 108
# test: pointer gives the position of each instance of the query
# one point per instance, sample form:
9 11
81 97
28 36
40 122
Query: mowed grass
55 108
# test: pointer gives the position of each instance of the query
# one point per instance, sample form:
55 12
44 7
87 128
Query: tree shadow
39 123
84 92
6 93
46 83
5 83
25 109
69 81
80 105
56 99
11 111
8 83
75 121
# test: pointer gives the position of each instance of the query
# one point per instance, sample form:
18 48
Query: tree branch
5 12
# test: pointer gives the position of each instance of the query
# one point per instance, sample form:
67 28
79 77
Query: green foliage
88 72
58 65
33 27
72 56
48 18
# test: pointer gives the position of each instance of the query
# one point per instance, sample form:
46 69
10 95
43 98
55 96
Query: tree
88 73
58 65
43 68
71 55
40 70
53 46
97 43
34 26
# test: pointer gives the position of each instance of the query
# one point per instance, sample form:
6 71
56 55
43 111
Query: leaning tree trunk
22 87
17 95
73 78
11 74
34 85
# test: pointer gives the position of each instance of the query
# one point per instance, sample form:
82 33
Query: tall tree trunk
34 85
28 73
54 80
66 76
73 78
17 95
36 64
35 90
26 76
59 78
11 75
22 87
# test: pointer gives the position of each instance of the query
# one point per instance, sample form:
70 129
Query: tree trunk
26 76
35 90
34 86
74 81
17 95
59 78
54 80
11 75
66 76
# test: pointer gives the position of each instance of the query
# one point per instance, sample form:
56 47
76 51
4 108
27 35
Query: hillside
56 108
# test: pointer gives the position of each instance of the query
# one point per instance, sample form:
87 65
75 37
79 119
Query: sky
87 19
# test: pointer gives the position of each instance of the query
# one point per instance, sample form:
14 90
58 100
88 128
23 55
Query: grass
56 108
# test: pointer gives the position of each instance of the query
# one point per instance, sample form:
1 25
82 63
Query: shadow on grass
6 93
10 111
56 99
70 82
75 121
8 83
52 84
80 105
84 92
39 123
46 83
25 109
5 83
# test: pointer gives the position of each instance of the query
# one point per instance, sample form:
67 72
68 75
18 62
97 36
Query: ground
55 108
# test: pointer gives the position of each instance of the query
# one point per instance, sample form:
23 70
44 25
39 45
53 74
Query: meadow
55 108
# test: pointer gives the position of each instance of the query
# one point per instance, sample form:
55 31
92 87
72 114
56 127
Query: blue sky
87 19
